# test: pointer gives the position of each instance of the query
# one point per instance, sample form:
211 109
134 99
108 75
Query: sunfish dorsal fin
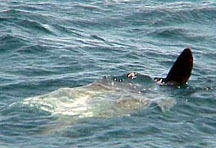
181 69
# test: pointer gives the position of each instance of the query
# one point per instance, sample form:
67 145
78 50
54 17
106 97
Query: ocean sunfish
116 95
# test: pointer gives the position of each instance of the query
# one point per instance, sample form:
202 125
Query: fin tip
181 69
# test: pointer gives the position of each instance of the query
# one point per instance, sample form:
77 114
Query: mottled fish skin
179 73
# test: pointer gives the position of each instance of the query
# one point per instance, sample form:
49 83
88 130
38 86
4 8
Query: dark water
50 45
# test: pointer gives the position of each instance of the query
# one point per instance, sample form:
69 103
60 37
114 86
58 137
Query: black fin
181 70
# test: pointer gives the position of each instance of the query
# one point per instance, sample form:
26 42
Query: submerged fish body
111 96
116 96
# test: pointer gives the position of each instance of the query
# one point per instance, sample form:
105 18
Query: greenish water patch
47 46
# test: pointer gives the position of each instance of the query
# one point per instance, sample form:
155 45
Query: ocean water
58 58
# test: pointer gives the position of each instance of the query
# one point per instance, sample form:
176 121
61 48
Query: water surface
47 47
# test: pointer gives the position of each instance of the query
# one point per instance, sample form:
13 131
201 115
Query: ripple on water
47 46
